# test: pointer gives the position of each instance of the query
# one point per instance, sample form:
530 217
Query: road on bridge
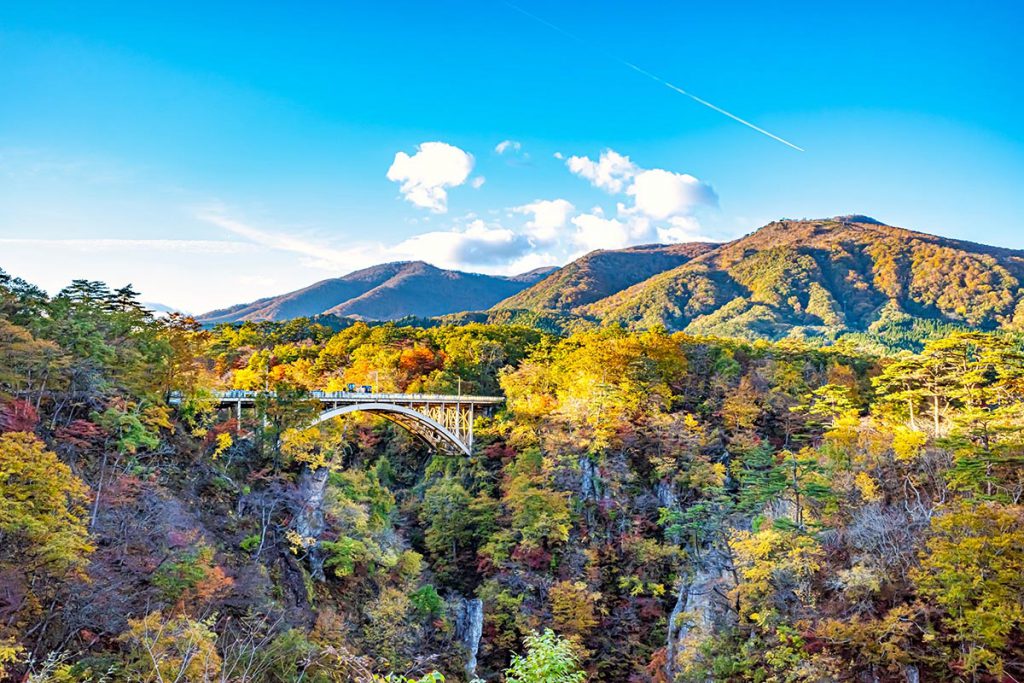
444 421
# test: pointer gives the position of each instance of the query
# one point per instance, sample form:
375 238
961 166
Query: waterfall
469 627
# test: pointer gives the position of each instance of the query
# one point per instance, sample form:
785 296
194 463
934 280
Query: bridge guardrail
243 394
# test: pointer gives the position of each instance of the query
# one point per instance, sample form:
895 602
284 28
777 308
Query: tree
171 649
973 568
574 608
43 534
446 513
772 564
189 343
549 659
42 508
20 302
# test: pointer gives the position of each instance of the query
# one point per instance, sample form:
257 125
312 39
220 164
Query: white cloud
663 194
682 229
490 246
513 152
319 253
478 182
508 145
611 172
595 232
478 244
426 175
549 216
657 193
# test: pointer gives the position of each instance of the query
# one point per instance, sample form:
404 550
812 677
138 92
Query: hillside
827 277
638 497
384 292
600 274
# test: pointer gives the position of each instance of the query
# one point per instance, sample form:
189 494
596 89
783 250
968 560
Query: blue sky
230 151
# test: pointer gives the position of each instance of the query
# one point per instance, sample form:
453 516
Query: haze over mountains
385 292
827 277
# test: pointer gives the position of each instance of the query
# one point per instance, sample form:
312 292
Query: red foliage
485 567
123 491
533 557
18 416
367 439
82 434
229 426
500 451
650 608
419 361
812 644
656 669
88 637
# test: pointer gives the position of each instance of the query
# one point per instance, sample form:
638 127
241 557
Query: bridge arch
423 426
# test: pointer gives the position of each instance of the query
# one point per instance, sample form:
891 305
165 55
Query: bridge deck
234 396
442 420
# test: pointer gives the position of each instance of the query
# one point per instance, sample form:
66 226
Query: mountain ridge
601 273
824 278
382 292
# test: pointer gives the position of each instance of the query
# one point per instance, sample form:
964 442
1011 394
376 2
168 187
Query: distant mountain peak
827 277
386 291
535 275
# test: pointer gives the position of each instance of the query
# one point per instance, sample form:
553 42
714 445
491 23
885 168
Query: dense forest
647 506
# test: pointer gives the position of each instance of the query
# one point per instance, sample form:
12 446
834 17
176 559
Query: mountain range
385 292
826 277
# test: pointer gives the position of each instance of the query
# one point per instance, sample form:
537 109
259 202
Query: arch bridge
443 421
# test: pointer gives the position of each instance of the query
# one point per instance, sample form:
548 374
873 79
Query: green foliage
548 659
427 602
453 520
805 510
344 554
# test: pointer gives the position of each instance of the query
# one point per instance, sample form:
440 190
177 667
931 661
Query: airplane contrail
658 79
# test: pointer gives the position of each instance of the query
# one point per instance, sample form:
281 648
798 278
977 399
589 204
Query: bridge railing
243 395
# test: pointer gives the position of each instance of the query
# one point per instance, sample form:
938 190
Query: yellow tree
171 649
43 532
973 567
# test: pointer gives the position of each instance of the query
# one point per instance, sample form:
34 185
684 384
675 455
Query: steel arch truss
446 426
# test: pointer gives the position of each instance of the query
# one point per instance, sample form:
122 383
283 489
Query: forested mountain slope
827 277
384 292
600 274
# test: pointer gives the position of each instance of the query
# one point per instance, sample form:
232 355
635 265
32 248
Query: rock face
469 627
701 607
309 522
